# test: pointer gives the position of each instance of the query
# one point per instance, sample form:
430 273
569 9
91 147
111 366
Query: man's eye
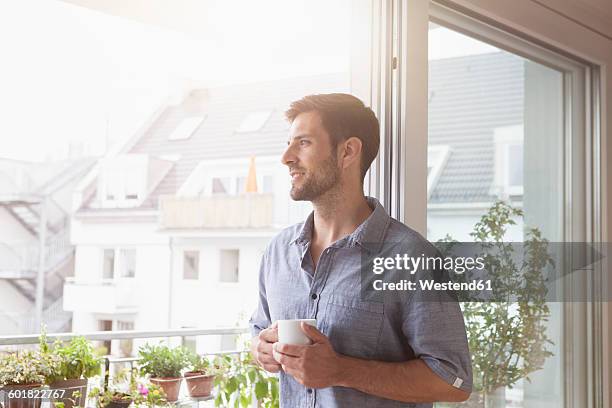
304 142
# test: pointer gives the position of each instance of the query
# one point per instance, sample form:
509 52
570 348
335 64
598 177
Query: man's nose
288 156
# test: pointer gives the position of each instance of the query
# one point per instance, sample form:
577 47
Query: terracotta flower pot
70 387
171 387
198 384
20 402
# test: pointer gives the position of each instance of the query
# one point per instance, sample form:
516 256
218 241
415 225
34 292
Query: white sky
74 74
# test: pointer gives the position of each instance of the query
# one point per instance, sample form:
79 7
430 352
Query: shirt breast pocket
353 326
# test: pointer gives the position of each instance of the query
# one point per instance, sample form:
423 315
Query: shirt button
313 296
309 390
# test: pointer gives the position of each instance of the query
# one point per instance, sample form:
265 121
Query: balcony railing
249 210
100 296
20 341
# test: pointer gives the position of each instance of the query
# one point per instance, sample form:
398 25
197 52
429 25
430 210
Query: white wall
150 284
206 302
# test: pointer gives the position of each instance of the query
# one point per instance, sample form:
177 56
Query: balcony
112 363
223 211
102 296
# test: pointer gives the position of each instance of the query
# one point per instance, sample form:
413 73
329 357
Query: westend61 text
431 284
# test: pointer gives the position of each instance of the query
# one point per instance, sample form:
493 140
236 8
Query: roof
469 97
225 108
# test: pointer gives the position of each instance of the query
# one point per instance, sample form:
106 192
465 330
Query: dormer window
123 181
186 128
253 122
509 160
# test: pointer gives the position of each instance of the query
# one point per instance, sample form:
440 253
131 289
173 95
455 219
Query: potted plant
245 383
200 376
77 363
163 365
499 360
21 374
124 392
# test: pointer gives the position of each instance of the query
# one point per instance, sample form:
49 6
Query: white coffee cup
290 331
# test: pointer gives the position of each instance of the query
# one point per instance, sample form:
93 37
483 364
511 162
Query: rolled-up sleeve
261 316
434 327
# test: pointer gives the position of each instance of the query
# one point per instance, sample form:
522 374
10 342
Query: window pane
191 261
229 263
193 142
501 116
109 264
515 165
126 346
253 122
128 263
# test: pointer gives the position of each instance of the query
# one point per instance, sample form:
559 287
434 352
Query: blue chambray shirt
433 331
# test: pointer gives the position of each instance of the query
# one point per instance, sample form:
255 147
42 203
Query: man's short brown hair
343 116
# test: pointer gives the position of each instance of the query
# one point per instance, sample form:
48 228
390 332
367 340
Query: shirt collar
369 234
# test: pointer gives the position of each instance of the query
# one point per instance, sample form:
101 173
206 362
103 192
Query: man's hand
314 366
261 347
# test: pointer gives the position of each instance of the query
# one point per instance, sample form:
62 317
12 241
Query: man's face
312 162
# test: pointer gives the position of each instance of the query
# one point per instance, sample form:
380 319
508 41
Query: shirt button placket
310 397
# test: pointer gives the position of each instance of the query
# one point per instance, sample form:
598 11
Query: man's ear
351 151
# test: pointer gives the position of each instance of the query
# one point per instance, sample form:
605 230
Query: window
508 160
108 268
191 261
132 185
186 128
113 185
253 122
229 259
506 138
106 325
123 179
126 346
127 263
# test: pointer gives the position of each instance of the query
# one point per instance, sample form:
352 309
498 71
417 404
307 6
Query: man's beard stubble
321 181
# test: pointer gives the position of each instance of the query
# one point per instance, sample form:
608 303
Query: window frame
398 176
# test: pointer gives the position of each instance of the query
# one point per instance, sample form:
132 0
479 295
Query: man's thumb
313 333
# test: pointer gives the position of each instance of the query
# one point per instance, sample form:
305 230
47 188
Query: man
363 353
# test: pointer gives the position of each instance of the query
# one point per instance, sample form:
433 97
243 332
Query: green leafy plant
202 364
77 359
161 361
507 338
243 380
26 367
74 398
126 386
